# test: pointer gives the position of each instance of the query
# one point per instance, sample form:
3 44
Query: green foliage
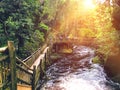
51 8
86 32
18 23
96 60
27 23
43 26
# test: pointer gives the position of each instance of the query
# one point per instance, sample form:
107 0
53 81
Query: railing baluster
4 71
41 71
12 65
0 73
33 81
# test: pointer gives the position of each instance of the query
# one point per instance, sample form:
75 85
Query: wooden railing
34 71
7 67
42 65
14 71
24 73
30 60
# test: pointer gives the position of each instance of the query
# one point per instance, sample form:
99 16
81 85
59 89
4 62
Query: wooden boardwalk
23 74
23 87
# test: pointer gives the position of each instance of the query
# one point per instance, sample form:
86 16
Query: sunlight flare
89 4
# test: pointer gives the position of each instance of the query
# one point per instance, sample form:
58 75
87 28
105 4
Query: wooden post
48 55
11 49
41 71
45 62
33 81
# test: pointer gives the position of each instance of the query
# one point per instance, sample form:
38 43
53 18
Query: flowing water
77 72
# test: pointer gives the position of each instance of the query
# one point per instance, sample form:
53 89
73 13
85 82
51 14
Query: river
78 72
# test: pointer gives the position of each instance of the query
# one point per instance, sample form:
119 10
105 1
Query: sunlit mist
100 1
89 4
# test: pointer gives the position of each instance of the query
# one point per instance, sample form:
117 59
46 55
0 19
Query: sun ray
89 4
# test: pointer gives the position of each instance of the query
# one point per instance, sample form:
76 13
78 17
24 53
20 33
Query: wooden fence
8 67
14 71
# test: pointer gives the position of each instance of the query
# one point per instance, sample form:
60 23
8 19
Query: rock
112 67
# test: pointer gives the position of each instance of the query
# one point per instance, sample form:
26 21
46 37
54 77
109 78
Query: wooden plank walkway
23 87
36 63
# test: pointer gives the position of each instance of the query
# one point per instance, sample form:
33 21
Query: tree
17 21
116 14
26 22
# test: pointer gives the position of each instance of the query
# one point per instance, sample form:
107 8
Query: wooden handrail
20 61
31 55
40 49
3 49
26 71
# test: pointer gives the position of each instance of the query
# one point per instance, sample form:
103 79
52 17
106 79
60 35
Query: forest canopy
29 23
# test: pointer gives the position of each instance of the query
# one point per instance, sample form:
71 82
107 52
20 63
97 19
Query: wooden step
23 87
